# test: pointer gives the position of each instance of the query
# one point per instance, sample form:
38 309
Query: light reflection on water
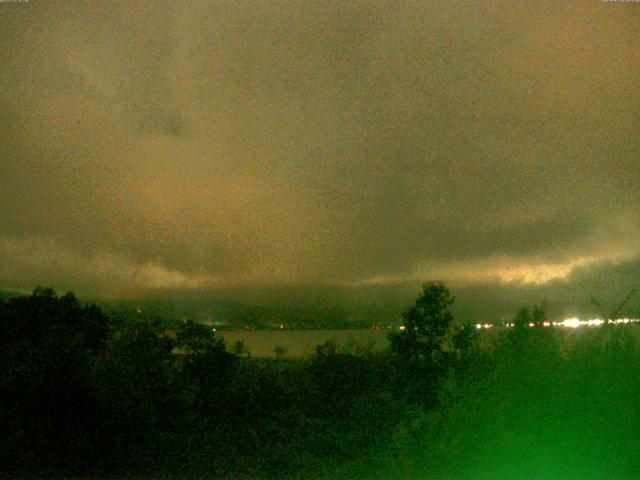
301 343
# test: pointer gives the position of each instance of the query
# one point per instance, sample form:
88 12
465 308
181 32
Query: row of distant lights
572 322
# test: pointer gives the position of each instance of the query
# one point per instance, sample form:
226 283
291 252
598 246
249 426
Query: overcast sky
181 144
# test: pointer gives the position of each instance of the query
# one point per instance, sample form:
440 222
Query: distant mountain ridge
233 314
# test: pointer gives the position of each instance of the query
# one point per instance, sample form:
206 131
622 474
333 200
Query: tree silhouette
205 364
280 352
419 348
47 346
425 323
240 349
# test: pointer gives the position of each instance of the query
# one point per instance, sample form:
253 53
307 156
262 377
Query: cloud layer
330 142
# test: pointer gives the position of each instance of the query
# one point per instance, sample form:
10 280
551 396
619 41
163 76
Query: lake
300 343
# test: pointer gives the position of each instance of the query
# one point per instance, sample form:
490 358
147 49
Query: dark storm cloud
593 291
197 143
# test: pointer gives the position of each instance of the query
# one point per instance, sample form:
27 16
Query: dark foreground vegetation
84 394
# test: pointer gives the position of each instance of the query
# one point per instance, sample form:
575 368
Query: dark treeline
84 393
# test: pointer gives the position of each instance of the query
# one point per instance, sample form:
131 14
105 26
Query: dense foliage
83 393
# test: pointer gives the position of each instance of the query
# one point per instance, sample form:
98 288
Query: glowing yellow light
570 322
542 273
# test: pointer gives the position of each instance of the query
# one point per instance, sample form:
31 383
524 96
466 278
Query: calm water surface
300 343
